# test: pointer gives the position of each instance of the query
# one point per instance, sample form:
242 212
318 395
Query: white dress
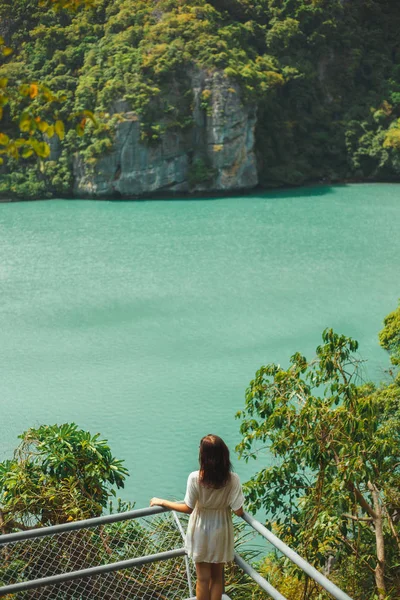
209 536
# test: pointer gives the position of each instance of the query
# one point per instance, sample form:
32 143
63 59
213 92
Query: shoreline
204 195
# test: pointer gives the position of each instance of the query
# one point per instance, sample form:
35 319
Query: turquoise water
146 320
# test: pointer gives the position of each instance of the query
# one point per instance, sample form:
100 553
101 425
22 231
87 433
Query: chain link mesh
75 550
84 548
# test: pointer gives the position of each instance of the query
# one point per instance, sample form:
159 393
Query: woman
211 494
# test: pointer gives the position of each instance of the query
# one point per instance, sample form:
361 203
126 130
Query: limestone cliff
216 153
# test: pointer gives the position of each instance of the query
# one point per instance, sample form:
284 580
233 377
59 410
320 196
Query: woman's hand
156 502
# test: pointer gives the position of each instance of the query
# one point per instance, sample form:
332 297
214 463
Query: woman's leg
203 571
217 581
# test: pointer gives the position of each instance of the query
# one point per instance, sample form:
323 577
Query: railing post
188 573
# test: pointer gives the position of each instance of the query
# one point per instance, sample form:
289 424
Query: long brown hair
215 466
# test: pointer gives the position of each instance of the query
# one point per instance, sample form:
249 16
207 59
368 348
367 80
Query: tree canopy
332 490
58 473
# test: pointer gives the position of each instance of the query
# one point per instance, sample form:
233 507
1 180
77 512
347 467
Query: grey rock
221 137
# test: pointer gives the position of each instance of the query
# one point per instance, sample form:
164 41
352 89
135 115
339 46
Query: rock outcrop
215 154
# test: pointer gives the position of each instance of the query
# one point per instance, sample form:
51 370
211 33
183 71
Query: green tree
38 116
389 337
58 474
333 488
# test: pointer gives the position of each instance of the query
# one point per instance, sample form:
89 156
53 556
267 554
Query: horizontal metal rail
100 570
296 559
9 538
259 579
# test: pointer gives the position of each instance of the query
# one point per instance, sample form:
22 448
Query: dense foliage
58 473
325 75
333 489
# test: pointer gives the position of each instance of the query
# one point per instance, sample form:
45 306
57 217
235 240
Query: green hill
197 95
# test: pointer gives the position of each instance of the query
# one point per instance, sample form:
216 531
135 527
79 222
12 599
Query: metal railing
135 554
295 558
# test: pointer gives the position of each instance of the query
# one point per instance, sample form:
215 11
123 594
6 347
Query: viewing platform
137 555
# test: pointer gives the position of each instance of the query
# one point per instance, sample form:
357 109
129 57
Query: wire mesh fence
164 580
105 544
140 555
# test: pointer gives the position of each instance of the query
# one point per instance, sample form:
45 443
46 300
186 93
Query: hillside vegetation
325 75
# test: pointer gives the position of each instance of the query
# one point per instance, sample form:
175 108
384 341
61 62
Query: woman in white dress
211 494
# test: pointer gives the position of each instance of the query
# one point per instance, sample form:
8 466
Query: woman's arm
239 512
177 506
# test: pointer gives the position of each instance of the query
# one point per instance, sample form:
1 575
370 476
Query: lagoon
145 321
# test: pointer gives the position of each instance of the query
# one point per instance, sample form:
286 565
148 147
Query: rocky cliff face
216 153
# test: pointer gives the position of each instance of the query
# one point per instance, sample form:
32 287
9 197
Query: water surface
146 320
